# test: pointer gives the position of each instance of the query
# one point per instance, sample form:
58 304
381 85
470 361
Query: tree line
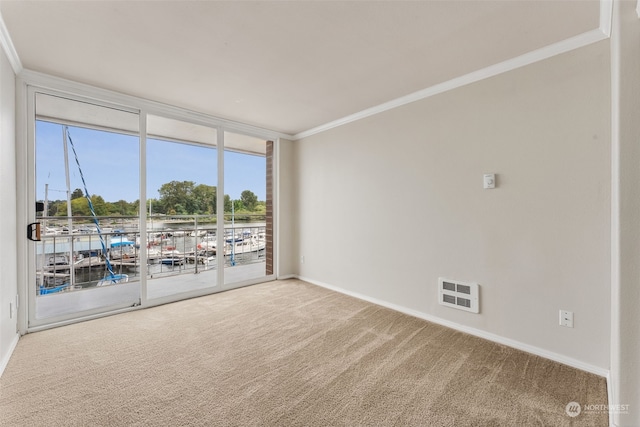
176 198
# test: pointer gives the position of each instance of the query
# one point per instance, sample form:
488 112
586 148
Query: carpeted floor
284 353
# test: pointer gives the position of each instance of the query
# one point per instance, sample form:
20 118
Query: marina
90 254
85 258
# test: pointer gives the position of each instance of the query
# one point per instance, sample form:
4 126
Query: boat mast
46 206
44 225
70 220
112 276
233 235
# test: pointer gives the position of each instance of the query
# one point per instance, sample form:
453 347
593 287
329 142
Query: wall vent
460 295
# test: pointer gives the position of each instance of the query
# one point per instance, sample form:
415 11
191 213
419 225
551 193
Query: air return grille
460 295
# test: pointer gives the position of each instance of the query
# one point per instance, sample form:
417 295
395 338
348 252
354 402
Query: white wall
287 241
626 231
389 203
8 248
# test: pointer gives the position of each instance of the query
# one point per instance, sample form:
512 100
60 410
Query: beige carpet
284 353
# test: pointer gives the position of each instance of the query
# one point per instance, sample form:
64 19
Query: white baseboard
569 361
5 360
287 276
612 422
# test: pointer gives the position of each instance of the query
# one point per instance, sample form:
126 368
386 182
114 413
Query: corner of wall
625 213
8 215
287 213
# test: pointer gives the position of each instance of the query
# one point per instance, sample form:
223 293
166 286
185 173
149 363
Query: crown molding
603 32
606 17
9 48
572 43
58 84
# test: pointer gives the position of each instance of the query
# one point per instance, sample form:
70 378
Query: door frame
27 84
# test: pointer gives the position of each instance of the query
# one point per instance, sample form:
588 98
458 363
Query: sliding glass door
181 207
135 208
86 182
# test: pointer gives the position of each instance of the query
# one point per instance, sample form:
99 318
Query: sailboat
111 278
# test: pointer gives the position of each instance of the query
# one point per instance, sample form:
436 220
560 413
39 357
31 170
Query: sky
110 165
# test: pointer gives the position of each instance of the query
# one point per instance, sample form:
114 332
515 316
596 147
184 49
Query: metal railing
70 255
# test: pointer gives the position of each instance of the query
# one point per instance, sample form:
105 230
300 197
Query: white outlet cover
566 318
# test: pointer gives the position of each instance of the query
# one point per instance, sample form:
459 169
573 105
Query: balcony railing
73 255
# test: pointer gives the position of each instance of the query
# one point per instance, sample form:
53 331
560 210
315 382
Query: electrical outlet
10 310
566 318
302 259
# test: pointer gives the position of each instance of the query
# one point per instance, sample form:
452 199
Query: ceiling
287 66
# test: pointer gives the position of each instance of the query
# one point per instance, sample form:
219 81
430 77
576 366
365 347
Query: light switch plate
489 180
